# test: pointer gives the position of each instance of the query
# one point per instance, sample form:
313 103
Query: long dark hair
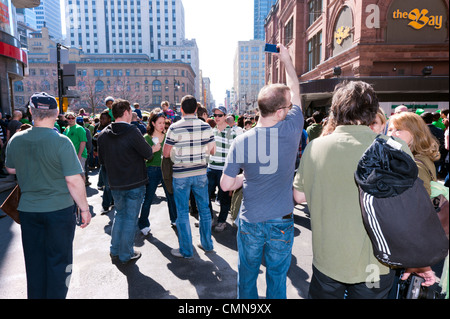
153 118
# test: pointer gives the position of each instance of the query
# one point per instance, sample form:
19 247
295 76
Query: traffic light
65 103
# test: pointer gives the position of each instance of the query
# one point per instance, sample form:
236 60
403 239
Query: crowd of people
257 168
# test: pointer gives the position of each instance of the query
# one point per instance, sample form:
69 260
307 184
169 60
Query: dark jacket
123 150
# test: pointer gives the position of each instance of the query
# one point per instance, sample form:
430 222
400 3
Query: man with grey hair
48 173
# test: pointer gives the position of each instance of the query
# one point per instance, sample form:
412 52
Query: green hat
420 111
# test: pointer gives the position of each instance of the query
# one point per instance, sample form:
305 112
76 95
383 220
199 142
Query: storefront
13 60
400 47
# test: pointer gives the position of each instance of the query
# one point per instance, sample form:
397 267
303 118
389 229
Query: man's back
267 156
189 138
123 149
42 159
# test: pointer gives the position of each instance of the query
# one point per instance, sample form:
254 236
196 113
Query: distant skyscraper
48 14
262 8
124 26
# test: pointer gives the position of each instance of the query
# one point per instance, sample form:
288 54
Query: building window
314 51
289 32
156 86
314 10
99 86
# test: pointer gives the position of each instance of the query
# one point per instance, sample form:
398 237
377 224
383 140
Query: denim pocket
281 236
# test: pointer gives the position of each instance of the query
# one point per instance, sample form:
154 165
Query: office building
261 9
48 14
124 26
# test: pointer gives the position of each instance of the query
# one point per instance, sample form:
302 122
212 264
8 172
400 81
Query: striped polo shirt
189 138
223 139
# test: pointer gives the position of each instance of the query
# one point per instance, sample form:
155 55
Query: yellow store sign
419 18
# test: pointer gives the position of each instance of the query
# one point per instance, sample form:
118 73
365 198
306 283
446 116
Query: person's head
414 131
189 104
354 103
17 115
400 109
274 99
427 117
121 110
156 123
134 116
318 117
167 124
219 114
379 125
164 105
136 105
109 102
43 106
71 118
230 120
105 118
248 124
202 112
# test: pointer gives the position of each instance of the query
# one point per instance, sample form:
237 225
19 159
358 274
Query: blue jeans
47 240
154 178
182 189
128 205
271 240
214 176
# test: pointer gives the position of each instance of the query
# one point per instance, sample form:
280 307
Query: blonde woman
411 128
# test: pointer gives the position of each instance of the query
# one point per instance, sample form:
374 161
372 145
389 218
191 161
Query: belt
288 216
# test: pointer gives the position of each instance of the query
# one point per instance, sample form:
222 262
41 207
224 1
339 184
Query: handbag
11 203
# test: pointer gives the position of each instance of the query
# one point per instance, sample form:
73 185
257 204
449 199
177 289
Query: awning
388 89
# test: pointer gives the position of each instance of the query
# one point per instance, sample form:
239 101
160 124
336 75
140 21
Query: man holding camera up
266 154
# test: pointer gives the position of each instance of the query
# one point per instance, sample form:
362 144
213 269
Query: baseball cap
43 101
109 98
221 109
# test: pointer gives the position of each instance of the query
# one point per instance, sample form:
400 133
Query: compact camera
412 288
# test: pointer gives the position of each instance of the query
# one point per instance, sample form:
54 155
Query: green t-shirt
77 134
42 158
157 157
341 247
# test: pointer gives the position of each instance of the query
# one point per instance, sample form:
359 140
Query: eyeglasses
70 118
219 115
286 107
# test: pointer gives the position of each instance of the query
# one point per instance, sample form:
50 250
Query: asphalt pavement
157 274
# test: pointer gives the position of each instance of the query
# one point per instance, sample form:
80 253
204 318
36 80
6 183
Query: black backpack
397 211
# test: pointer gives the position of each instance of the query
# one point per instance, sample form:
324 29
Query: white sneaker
145 231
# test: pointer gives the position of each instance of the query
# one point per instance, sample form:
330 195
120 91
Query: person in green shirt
155 135
109 102
48 173
343 259
77 134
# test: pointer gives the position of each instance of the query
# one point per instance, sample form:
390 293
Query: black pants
47 245
324 287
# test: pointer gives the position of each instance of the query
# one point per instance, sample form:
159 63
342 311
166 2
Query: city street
157 274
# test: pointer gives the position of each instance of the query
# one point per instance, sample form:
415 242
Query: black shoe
135 257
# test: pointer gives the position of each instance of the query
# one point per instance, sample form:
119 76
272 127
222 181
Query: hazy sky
217 26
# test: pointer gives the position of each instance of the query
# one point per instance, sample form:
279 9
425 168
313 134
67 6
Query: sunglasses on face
219 115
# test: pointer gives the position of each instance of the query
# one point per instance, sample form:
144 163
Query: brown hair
354 103
119 107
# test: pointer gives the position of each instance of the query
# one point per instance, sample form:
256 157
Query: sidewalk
157 274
